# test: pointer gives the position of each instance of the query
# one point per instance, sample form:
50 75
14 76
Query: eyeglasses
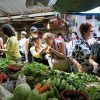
91 31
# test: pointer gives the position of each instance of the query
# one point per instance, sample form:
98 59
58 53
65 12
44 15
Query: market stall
36 81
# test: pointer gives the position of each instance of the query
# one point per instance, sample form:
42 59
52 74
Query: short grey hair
47 36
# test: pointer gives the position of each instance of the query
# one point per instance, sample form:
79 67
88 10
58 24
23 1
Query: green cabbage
22 92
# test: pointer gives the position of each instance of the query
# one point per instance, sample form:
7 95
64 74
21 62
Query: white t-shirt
22 45
71 45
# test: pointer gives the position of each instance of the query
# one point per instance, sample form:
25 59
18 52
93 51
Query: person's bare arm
3 50
1 40
92 62
62 53
35 53
77 64
26 49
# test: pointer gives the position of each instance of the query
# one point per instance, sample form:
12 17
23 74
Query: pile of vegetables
3 65
30 70
47 83
93 92
24 92
69 81
35 73
21 92
41 88
72 81
34 68
46 92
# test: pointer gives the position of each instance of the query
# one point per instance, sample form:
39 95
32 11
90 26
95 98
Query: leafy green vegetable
3 65
22 92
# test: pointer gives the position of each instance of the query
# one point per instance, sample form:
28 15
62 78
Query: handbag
58 64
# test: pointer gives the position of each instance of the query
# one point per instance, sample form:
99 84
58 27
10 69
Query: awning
67 5
18 7
75 5
95 11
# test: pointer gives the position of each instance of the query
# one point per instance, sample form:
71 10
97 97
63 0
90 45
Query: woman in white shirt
22 49
71 44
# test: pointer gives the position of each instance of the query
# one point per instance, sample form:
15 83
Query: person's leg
30 59
22 57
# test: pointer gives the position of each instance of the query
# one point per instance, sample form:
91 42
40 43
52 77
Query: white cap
23 32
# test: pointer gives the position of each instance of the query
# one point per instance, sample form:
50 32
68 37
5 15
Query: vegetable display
35 69
73 81
45 84
24 92
69 81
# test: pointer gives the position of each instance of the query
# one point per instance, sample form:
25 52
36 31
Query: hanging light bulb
48 25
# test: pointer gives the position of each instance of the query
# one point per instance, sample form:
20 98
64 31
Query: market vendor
12 48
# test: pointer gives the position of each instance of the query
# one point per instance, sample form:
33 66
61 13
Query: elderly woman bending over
56 52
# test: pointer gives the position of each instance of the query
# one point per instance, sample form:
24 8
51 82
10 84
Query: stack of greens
35 72
3 65
73 81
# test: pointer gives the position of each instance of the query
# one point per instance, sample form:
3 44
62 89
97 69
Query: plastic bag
21 79
9 85
3 92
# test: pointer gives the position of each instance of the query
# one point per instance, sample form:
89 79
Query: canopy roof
75 5
67 5
18 7
93 11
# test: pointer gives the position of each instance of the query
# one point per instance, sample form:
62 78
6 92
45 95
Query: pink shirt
60 38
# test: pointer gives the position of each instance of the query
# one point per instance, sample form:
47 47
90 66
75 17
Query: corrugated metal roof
18 7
